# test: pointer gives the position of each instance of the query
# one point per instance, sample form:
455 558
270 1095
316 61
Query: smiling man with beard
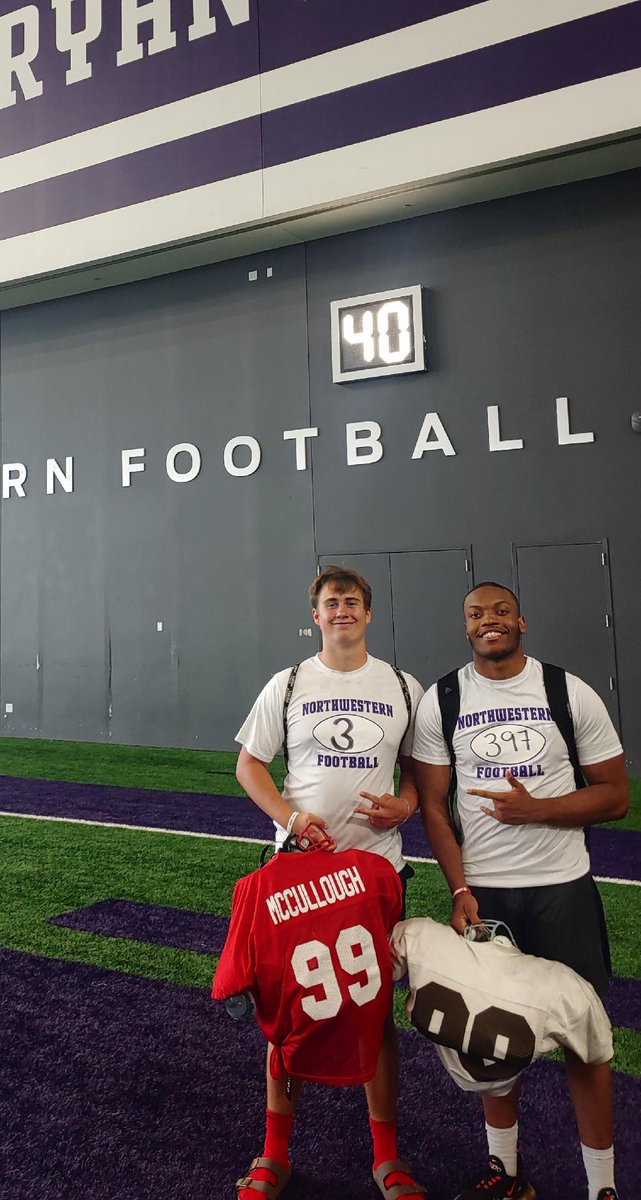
519 852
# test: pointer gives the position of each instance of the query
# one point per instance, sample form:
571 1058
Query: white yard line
226 837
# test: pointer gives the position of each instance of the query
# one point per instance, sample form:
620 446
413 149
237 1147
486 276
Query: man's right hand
317 825
465 911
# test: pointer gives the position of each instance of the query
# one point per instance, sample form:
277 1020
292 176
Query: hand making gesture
513 807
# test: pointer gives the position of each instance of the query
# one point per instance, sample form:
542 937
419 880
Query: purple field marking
203 933
114 1086
615 853
623 1003
193 812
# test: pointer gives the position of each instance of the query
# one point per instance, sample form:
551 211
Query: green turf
52 867
633 819
151 767
158 768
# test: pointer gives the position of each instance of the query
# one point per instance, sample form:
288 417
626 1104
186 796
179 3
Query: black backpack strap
286 701
407 698
449 699
556 690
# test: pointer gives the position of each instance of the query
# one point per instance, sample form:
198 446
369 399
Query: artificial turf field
121 1080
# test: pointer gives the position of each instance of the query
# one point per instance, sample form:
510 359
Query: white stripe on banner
507 134
487 24
228 837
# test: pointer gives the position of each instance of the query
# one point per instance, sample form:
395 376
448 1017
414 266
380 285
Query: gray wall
526 300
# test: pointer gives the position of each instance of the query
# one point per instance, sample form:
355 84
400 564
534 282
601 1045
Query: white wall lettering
440 441
243 455
204 23
55 471
129 467
78 24
134 15
300 436
363 442
14 476
563 426
74 42
19 64
192 471
254 456
494 431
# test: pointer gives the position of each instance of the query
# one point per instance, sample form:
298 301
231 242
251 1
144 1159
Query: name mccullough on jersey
301 898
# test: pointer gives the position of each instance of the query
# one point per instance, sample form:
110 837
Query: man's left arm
606 798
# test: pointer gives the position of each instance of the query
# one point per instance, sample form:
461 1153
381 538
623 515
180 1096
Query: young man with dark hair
521 855
343 720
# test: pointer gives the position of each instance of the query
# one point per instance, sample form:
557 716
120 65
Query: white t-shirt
344 730
506 724
492 1010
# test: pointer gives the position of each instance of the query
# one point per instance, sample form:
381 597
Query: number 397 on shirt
378 334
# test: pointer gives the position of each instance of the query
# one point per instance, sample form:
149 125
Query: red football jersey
309 939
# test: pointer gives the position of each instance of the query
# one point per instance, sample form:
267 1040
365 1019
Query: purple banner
293 31
218 154
592 48
605 44
112 92
272 33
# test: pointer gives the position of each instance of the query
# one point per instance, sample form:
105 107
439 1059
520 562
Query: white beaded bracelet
290 824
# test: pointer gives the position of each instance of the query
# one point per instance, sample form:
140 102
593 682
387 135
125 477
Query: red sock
277 1135
386 1150
385 1141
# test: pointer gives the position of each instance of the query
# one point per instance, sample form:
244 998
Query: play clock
378 334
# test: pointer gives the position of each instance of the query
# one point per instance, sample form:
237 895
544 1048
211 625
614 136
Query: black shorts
405 875
561 921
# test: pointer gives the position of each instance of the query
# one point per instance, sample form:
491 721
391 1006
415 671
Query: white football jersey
491 1010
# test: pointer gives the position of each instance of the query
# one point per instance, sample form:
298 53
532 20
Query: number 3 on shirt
313 968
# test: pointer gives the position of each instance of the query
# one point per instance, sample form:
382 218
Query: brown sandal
281 1173
396 1190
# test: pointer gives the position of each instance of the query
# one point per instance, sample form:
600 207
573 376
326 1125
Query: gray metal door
417 619
428 589
376 569
566 600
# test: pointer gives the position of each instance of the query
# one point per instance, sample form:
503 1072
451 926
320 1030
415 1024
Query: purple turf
206 933
623 1003
178 927
615 853
113 1086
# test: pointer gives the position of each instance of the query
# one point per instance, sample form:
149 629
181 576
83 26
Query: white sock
599 1168
502 1144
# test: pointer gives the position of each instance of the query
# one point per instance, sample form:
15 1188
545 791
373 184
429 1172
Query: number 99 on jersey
379 334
